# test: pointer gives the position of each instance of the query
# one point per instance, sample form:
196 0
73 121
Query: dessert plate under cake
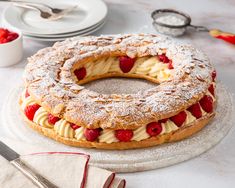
56 104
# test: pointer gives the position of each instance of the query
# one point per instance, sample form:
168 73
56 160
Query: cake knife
14 159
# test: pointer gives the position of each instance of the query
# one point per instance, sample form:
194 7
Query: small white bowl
11 52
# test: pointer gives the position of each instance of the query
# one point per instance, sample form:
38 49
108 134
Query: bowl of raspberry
11 47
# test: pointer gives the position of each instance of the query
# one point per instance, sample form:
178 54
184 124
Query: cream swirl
144 65
64 129
27 101
108 136
168 127
41 118
114 65
157 68
190 118
79 133
140 134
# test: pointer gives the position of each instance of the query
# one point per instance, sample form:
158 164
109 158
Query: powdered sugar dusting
51 81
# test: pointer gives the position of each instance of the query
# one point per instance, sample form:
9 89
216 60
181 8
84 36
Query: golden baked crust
181 103
177 135
50 80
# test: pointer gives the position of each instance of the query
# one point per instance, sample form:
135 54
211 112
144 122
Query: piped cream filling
107 136
150 66
27 101
41 118
168 127
79 133
63 128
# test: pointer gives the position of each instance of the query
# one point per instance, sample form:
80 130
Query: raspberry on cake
154 128
52 119
126 63
58 106
124 135
31 110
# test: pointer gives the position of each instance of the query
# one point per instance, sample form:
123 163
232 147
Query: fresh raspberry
27 93
7 36
52 119
212 90
3 33
124 135
179 118
30 111
207 103
126 63
74 126
12 36
3 40
154 128
80 73
170 66
163 58
163 120
195 110
91 134
213 74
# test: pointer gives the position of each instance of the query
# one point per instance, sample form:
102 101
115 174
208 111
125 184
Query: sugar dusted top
51 82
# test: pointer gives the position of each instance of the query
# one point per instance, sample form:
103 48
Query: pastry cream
168 127
27 101
41 118
158 67
107 136
114 65
140 134
144 65
64 129
138 62
190 118
79 133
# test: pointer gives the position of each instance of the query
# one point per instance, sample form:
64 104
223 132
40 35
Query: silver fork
42 5
52 9
43 14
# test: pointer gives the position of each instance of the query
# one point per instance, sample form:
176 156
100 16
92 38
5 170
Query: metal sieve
175 23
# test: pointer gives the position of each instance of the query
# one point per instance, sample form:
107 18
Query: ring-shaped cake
56 104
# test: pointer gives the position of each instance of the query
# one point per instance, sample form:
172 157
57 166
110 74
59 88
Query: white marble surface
214 168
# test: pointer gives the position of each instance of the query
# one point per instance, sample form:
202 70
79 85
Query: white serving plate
71 33
30 22
87 32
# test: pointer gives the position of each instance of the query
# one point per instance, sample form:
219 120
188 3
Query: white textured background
216 168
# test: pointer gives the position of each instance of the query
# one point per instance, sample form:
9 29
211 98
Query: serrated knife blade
14 159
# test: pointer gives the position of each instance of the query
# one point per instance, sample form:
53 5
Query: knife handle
36 178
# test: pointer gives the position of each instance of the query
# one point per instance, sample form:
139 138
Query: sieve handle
227 37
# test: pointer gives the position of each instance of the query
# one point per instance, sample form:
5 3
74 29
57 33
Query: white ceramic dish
29 22
93 28
88 32
11 52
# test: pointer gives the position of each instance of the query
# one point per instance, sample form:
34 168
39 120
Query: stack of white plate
88 17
